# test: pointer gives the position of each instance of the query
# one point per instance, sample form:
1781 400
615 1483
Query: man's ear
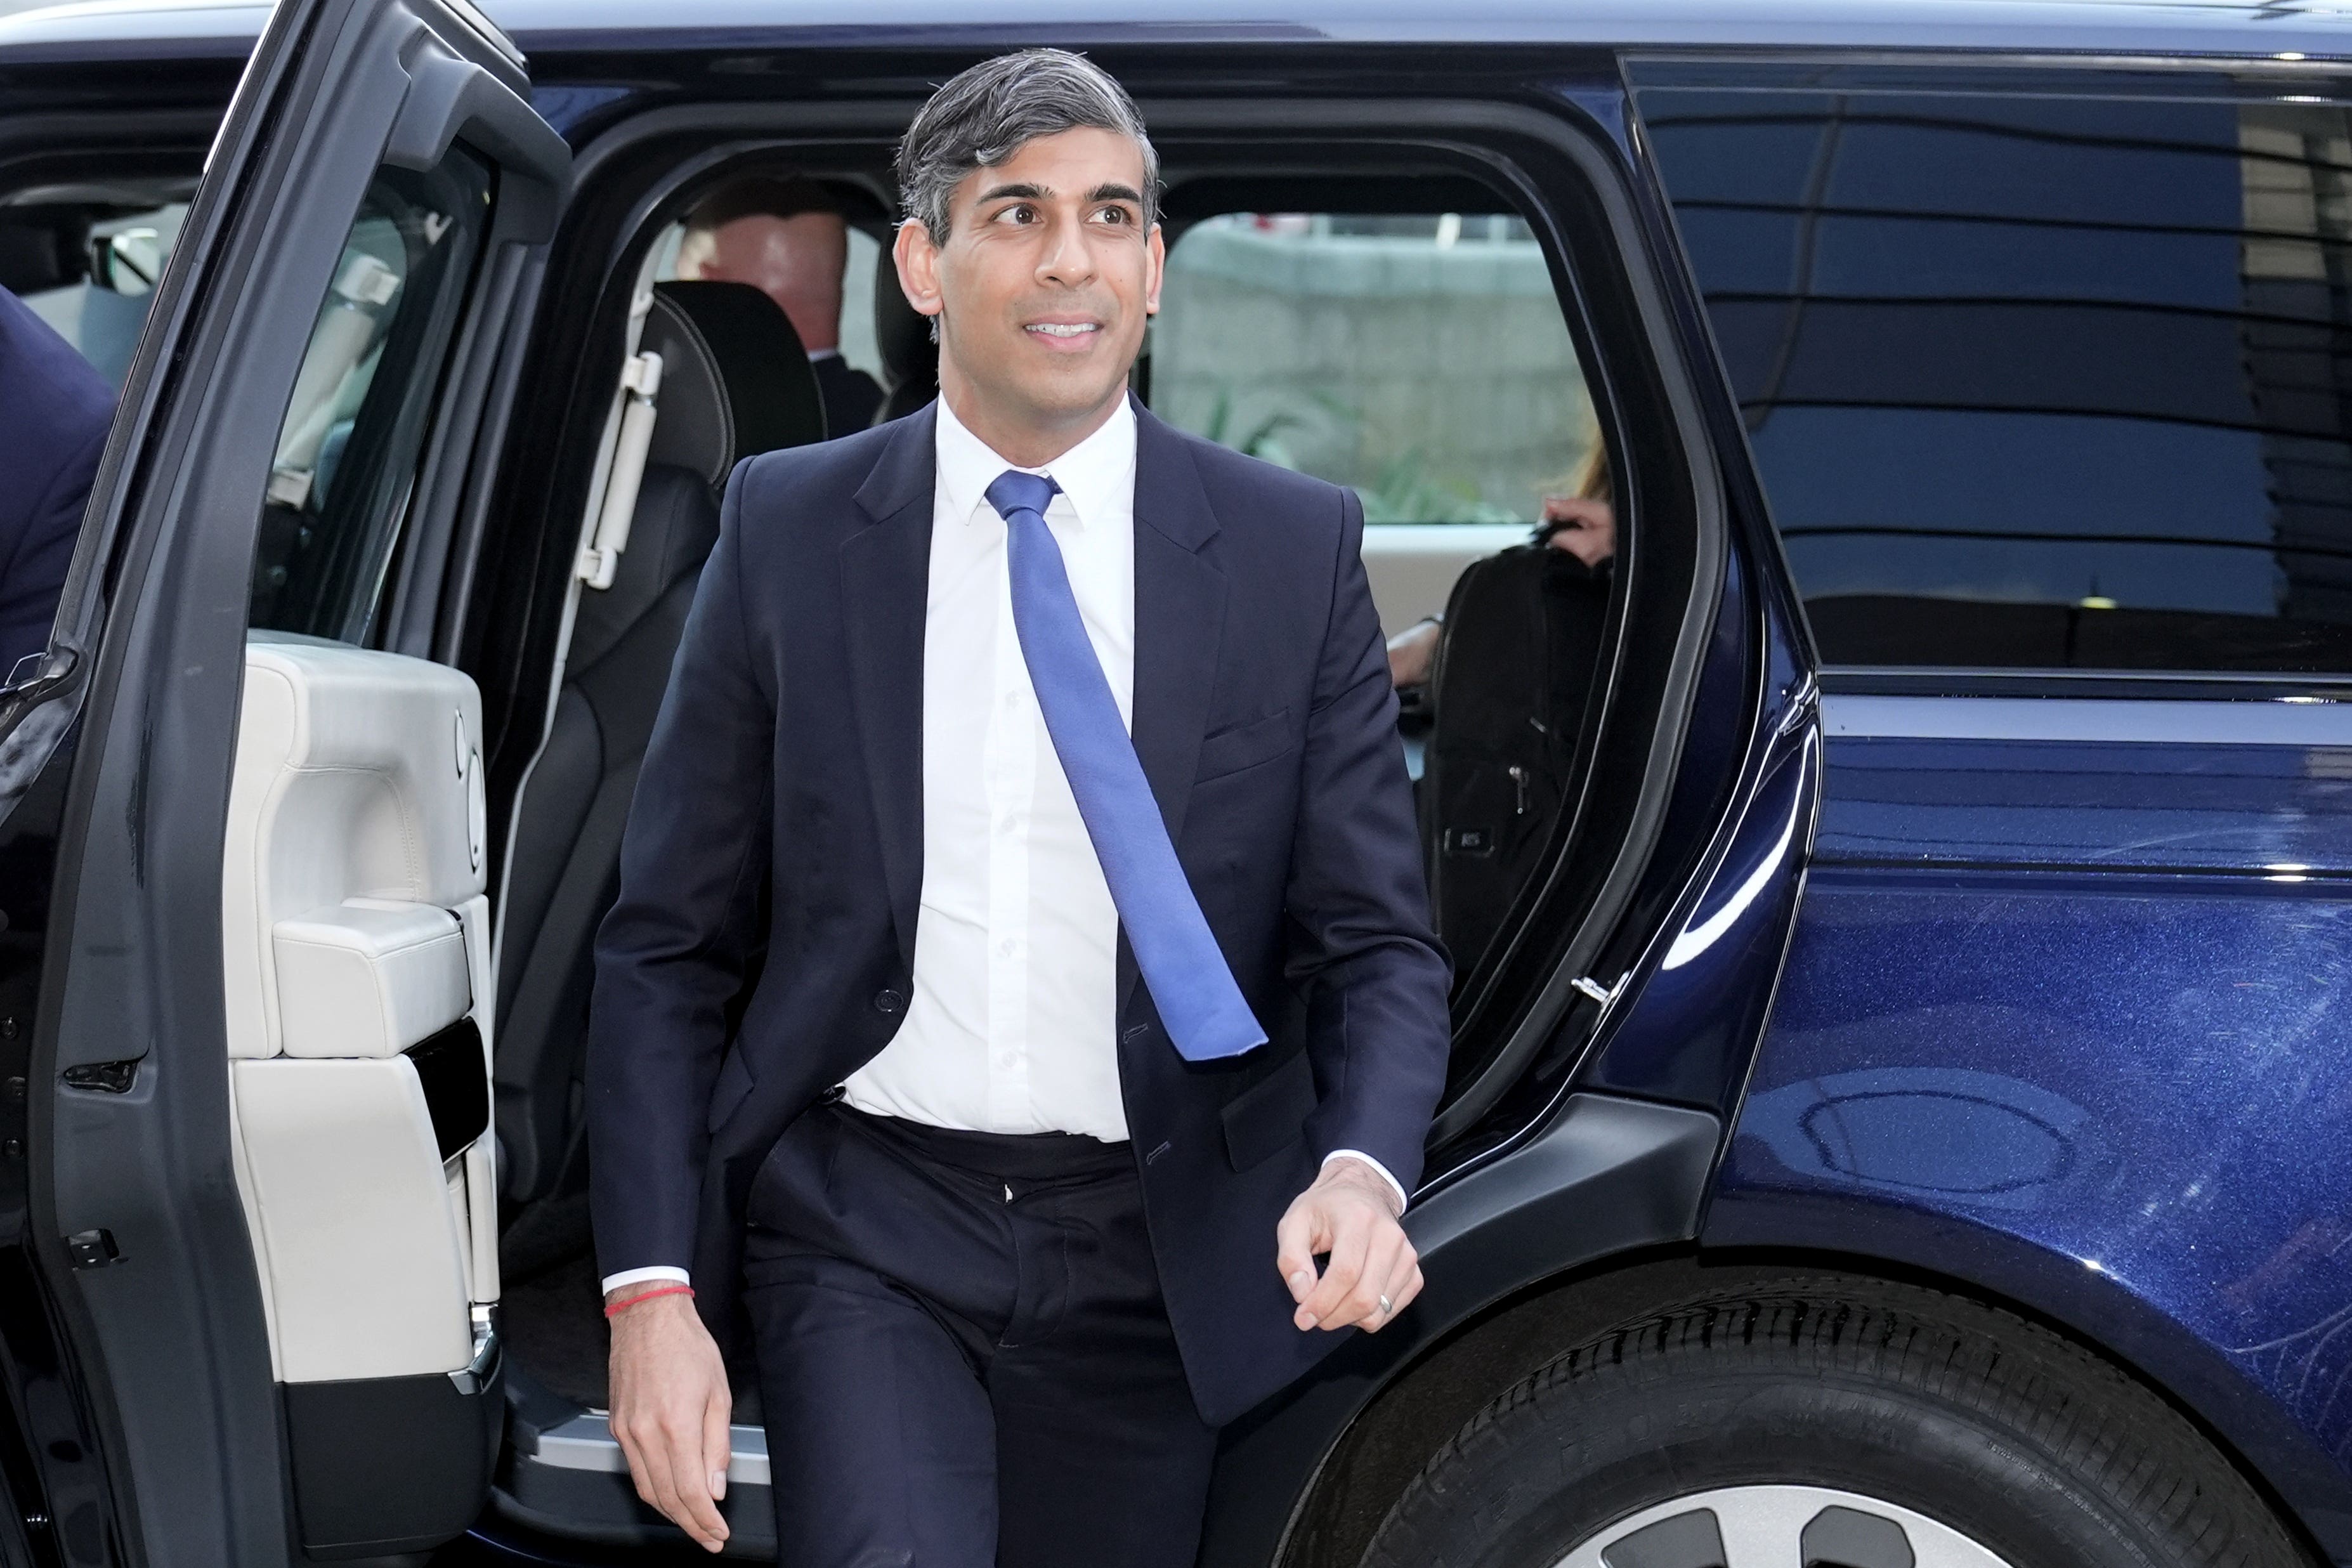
919 266
1157 247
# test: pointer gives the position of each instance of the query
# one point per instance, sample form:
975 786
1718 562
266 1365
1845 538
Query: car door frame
137 1225
1647 1161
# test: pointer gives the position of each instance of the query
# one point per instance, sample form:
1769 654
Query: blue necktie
1194 991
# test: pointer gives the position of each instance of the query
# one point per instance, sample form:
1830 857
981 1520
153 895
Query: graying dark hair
991 112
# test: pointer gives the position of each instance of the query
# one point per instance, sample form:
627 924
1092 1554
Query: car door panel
354 850
262 1169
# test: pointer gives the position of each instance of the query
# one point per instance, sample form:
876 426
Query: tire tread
2085 1417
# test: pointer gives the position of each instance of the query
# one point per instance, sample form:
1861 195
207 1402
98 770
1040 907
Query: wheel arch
1450 1378
1605 1178
2094 1311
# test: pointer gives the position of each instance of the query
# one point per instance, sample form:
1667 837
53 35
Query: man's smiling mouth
1063 329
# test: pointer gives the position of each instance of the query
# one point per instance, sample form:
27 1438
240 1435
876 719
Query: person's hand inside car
1585 528
671 1410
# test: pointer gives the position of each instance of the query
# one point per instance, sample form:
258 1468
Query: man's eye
1017 214
1112 215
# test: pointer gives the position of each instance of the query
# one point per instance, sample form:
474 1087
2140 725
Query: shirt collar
1098 475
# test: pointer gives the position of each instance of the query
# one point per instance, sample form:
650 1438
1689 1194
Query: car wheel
1822 1423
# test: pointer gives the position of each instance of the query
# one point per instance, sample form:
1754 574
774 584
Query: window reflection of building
2036 382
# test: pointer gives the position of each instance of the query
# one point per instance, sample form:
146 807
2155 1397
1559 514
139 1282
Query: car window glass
102 312
1422 359
2037 383
347 450
677 255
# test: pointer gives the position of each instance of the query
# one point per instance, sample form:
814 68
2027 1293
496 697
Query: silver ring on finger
1385 1307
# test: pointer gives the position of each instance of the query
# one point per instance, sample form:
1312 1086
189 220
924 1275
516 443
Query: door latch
104 1077
93 1248
1606 996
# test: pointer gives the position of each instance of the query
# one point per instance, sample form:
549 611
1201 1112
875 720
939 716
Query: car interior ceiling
729 354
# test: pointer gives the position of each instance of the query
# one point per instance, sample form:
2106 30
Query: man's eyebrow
1112 191
1025 192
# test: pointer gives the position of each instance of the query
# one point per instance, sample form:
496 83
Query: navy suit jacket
54 410
762 948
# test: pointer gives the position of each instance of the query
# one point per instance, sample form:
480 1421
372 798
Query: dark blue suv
1899 870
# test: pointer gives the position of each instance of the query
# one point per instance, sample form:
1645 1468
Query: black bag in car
1516 665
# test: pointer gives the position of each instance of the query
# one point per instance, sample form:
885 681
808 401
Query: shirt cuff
1394 1186
659 1271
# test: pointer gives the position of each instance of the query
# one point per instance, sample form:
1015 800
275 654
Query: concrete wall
1437 378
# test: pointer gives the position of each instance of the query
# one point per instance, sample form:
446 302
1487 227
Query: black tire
2035 1450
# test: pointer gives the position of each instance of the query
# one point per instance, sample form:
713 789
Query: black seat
902 336
735 382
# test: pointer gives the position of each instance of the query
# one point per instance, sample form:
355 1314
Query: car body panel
2260 785
2117 1097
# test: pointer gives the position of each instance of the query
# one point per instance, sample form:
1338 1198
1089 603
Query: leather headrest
902 334
735 380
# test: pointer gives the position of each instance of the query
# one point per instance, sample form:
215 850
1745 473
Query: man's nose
1066 259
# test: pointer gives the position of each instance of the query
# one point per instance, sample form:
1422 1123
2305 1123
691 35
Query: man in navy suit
1022 973
54 410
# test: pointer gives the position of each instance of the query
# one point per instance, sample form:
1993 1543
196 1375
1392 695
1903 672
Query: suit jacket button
888 1001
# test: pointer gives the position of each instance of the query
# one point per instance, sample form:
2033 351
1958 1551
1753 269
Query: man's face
1043 285
797 261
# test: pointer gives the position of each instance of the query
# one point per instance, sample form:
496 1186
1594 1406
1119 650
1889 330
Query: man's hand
670 1411
1350 1214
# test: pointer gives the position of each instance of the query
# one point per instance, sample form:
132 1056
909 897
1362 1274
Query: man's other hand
670 1411
1350 1214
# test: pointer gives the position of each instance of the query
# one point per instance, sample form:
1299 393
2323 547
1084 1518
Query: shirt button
1008 947
1008 1061
1012 700
1013 823
888 1001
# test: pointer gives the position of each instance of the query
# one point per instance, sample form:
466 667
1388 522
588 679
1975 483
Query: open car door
262 1196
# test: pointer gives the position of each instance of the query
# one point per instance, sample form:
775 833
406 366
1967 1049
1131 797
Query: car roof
2254 29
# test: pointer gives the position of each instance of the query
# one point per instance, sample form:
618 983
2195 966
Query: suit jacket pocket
1266 1117
1229 751
729 1091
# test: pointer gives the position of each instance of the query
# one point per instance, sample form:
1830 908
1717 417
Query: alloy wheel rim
1780 1527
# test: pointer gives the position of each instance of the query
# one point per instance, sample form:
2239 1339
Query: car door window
127 242
1420 358
1423 359
347 450
2037 382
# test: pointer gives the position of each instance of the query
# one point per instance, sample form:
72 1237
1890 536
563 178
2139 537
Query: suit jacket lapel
885 584
1179 613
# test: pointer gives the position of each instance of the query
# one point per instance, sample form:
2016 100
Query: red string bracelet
617 1307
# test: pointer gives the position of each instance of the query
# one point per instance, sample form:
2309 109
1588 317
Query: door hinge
93 1248
104 1077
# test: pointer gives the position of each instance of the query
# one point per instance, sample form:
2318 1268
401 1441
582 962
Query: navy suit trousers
964 1358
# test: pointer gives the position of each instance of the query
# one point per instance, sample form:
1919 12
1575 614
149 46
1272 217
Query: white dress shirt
1012 1026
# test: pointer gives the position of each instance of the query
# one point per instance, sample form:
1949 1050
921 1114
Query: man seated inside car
787 237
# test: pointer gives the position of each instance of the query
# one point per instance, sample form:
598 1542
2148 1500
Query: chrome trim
476 1375
585 1443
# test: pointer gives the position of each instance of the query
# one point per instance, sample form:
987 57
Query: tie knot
1016 491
